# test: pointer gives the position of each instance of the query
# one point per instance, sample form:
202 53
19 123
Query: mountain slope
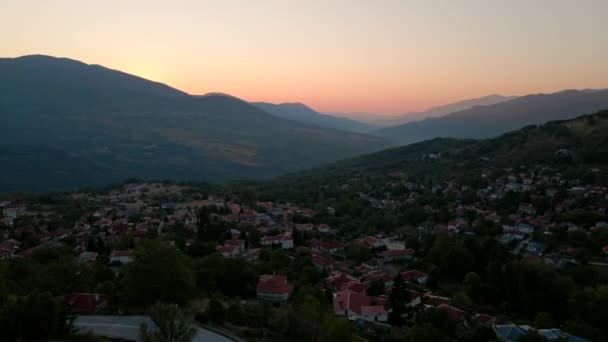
384 120
492 120
451 108
125 126
302 113
585 139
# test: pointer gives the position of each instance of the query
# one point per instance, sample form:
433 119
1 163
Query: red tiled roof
398 252
436 300
85 302
373 310
484 318
274 284
455 313
355 302
413 274
321 260
355 286
225 249
121 253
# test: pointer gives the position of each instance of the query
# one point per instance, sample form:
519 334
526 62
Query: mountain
302 113
571 147
450 108
69 124
384 120
492 120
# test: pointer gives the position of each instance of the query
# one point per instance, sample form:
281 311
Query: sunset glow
336 56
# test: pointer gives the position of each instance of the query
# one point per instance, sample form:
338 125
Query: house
338 280
433 300
321 262
10 212
417 276
359 306
526 209
121 256
87 257
253 254
414 298
372 242
454 313
534 248
325 246
228 251
239 244
6 253
508 332
85 302
273 288
284 240
324 228
386 279
8 249
484 319
397 254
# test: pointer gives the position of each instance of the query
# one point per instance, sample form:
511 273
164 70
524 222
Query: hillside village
383 279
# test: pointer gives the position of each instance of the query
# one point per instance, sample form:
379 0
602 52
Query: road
127 328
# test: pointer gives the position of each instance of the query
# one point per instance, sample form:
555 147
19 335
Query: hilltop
488 121
104 126
570 146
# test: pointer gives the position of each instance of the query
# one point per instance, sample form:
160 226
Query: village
524 209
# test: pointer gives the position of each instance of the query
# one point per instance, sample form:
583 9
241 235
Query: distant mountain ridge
385 121
302 113
492 120
575 147
104 126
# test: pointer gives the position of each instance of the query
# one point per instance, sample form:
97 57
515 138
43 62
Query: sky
384 56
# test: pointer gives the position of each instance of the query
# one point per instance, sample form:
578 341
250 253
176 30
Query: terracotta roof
121 253
373 310
356 302
274 284
436 300
85 302
398 252
455 313
484 318
413 274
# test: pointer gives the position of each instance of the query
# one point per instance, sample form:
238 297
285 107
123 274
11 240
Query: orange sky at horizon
386 57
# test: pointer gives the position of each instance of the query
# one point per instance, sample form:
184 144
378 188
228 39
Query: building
121 256
356 306
85 302
273 288
283 240
417 276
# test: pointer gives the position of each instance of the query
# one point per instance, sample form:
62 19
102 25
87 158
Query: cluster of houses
148 210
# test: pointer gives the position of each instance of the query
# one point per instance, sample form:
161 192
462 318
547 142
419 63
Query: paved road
127 328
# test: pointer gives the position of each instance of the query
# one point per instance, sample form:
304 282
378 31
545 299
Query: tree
158 273
216 311
376 288
37 316
397 300
170 324
544 320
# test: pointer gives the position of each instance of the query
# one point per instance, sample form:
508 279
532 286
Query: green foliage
32 317
230 277
171 325
544 320
158 273
216 312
